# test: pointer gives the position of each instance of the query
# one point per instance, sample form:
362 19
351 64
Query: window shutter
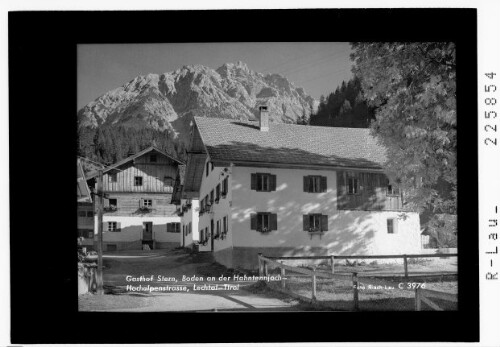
306 184
118 226
169 227
253 184
272 183
273 221
395 225
142 203
306 222
324 222
105 226
323 183
253 221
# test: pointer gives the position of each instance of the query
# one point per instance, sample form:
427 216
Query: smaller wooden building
143 191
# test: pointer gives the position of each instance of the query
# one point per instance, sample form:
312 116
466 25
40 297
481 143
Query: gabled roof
132 157
236 141
82 189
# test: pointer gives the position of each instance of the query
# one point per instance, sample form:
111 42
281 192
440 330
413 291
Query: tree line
110 144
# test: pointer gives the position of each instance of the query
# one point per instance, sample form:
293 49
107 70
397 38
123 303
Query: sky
318 67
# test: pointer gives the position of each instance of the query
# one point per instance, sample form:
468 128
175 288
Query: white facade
219 210
350 232
189 223
131 229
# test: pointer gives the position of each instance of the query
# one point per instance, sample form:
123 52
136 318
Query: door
212 232
147 231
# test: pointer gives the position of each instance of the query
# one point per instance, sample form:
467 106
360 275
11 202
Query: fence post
406 265
355 287
282 277
418 299
314 284
260 264
333 264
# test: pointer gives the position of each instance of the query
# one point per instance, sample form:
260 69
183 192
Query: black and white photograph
313 172
267 176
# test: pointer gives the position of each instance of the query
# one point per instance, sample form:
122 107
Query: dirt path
176 264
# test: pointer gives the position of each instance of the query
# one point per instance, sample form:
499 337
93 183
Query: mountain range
168 101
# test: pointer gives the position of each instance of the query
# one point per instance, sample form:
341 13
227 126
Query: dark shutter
273 221
253 221
272 183
253 184
324 222
306 222
323 183
306 184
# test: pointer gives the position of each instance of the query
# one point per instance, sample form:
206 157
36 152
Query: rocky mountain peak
168 101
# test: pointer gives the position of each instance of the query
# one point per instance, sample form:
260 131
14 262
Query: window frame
147 203
113 226
393 191
217 193
140 178
391 226
225 187
355 185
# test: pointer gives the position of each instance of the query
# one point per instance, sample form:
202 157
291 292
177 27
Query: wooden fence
421 295
332 258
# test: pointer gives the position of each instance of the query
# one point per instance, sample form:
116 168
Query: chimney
263 118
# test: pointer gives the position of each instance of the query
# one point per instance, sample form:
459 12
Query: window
173 227
82 213
86 233
168 181
217 230
202 206
224 225
391 189
212 197
204 235
315 222
113 177
264 221
314 184
208 168
113 226
352 185
391 226
111 248
90 213
147 203
153 158
217 193
138 181
113 203
263 182
225 187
